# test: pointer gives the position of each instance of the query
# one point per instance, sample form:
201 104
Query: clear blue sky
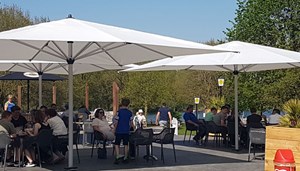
195 20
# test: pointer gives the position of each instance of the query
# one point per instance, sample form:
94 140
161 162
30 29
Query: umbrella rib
36 69
83 49
36 48
152 50
189 67
11 67
221 66
47 66
293 65
247 67
98 66
26 67
63 66
62 52
46 44
95 51
54 67
105 51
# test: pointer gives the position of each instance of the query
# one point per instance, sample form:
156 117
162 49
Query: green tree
273 23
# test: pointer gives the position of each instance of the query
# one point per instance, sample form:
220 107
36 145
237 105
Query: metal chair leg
39 155
174 152
77 153
5 156
184 136
249 151
93 148
162 154
190 136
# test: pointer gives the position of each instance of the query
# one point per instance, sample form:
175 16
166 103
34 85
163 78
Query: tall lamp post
197 101
221 84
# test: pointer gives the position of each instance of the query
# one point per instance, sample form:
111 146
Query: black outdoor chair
98 138
64 139
211 127
43 141
191 128
257 136
166 136
143 137
4 144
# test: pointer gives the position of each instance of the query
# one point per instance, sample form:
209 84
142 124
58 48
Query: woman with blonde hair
9 103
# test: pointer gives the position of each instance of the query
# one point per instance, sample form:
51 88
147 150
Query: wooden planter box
281 138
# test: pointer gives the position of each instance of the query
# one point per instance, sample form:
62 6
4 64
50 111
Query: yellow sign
197 100
221 82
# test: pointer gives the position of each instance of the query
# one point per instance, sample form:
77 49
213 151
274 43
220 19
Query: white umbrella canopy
251 57
92 43
69 40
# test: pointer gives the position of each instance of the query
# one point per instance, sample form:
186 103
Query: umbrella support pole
70 61
236 119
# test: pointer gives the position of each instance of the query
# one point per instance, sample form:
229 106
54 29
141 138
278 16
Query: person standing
9 104
123 123
163 116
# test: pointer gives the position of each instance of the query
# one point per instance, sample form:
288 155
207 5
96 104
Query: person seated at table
190 118
6 125
254 120
210 115
18 120
8 128
220 120
59 129
65 115
39 125
53 106
100 124
43 109
275 117
231 125
85 112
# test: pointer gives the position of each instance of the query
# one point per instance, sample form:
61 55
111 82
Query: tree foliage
273 23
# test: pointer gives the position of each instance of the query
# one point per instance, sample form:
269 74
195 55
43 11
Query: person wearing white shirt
274 119
56 123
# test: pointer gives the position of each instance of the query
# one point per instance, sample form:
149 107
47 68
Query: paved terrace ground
189 157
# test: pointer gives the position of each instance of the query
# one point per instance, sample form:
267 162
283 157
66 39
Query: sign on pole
197 100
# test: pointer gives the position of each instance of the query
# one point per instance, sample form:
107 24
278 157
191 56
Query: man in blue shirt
163 116
191 119
123 123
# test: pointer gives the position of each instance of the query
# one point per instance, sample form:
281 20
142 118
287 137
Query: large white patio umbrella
71 40
251 57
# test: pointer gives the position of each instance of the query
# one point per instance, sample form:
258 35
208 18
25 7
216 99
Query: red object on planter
284 160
